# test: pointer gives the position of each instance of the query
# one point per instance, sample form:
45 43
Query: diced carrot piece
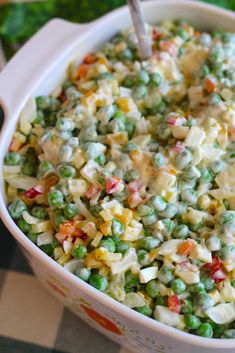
15 145
89 59
68 228
185 248
209 85
173 303
82 71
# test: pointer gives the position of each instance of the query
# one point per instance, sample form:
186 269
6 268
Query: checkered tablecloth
31 320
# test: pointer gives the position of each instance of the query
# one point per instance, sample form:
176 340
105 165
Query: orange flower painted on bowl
57 289
101 320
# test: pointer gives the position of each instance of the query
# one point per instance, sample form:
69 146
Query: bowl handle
33 60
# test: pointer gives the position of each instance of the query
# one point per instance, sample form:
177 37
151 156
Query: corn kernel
120 138
58 252
92 262
116 210
105 228
64 258
126 216
106 215
204 201
124 104
101 254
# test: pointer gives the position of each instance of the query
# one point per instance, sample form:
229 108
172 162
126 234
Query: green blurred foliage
20 21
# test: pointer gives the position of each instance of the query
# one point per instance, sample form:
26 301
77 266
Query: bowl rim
109 302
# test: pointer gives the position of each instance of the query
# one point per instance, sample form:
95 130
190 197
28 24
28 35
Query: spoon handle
138 21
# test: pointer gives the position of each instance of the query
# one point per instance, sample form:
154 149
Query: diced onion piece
195 137
170 246
128 260
166 316
89 172
67 246
30 219
222 314
41 227
78 186
147 274
83 210
21 181
186 275
11 169
28 115
116 287
201 253
73 265
44 238
134 300
97 239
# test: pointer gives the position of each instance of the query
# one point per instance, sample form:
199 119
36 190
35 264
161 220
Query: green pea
230 333
40 118
218 331
130 146
183 159
216 55
214 99
28 168
226 217
129 81
206 175
208 282
196 288
70 210
131 279
149 220
165 274
189 196
203 300
182 33
143 77
169 212
178 286
143 257
181 209
90 150
149 243
205 71
130 129
55 199
43 102
159 160
65 124
191 173
162 300
122 247
152 288
23 225
192 322
72 93
32 236
131 175
101 159
58 220
126 55
227 252
180 231
66 85
99 282
79 252
44 167
104 76
144 310
47 249
66 171
117 227
156 79
144 210
233 283
218 166
39 212
140 92
108 244
66 153
17 208
204 330
158 203
168 226
160 108
186 306
83 273
12 158
95 210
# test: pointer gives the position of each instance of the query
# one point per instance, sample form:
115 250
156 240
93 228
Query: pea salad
125 175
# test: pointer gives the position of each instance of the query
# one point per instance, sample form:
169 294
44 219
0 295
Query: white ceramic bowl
36 69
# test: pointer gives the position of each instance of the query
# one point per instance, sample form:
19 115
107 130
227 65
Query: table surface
31 320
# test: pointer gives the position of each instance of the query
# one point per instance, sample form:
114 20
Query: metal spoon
138 21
